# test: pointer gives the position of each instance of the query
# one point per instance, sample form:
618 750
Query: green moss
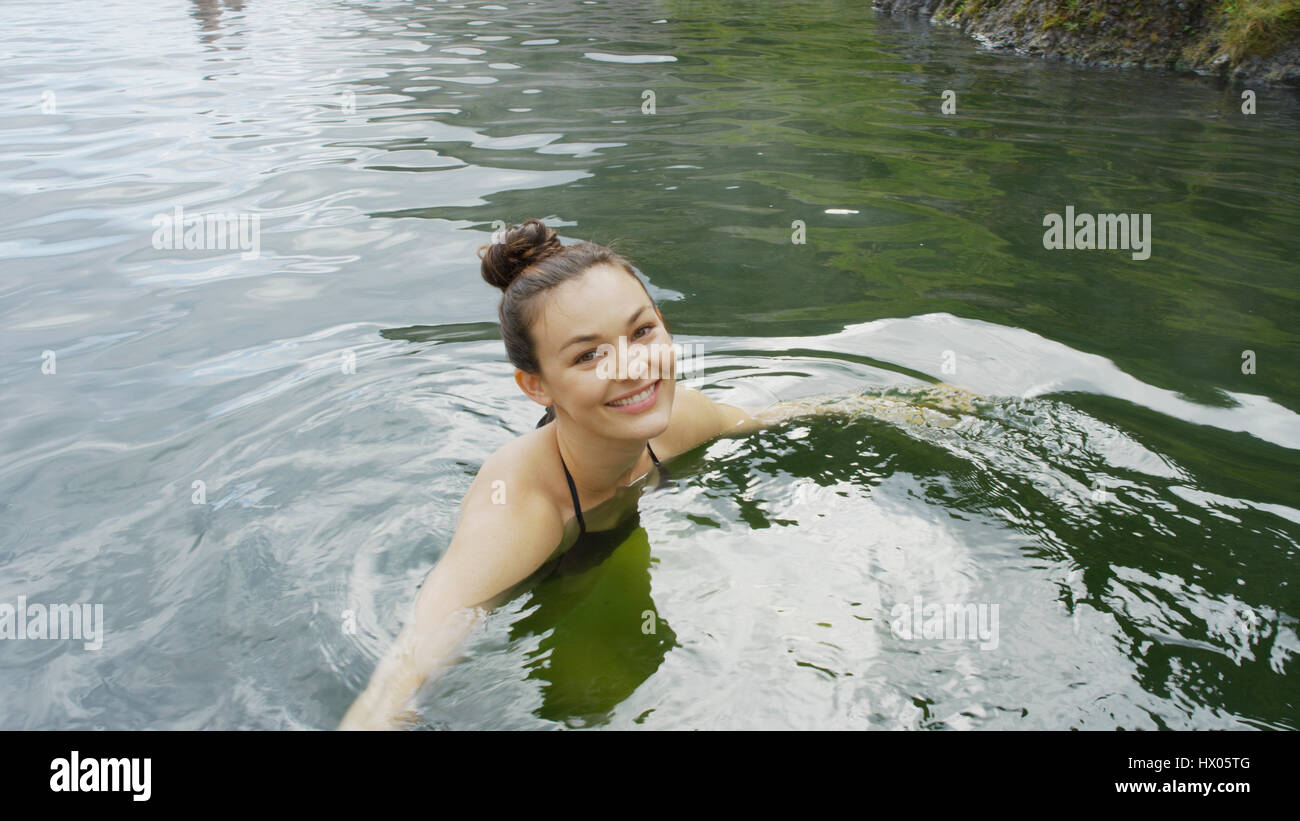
947 12
1257 28
1235 29
1069 16
1053 21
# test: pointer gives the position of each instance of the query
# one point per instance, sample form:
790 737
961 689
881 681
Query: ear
532 386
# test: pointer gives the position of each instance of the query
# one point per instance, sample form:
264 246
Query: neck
596 463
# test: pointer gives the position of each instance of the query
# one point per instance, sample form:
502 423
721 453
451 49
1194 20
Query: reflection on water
242 458
214 16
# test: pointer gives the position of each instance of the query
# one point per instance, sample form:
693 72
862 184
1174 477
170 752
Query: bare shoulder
696 419
514 481
509 526
514 470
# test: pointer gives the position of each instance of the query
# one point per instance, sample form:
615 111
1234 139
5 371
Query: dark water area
252 460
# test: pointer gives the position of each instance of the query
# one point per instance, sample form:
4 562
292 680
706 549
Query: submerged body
616 412
519 517
531 532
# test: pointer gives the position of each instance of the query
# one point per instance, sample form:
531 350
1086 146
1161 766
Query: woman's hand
940 404
416 657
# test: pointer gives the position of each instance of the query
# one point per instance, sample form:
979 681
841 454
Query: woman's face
599 339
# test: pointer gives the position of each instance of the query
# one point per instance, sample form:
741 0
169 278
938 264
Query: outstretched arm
935 404
495 547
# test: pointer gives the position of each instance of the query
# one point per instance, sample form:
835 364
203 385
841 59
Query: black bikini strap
573 491
664 476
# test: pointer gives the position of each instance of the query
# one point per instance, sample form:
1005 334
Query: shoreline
1211 38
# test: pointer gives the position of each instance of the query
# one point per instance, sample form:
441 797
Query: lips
635 397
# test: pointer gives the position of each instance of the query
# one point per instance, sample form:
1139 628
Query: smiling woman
589 343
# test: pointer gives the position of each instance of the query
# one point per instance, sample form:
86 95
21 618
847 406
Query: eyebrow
590 337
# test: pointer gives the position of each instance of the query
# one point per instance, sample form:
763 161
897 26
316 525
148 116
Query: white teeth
632 400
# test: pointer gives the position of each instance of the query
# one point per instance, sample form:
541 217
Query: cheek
663 354
668 387
591 387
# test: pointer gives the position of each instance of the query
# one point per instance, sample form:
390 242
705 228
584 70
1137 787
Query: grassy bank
1245 39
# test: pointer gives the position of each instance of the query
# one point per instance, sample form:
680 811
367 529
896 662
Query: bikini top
573 491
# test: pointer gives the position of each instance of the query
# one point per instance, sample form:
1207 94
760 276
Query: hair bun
522 246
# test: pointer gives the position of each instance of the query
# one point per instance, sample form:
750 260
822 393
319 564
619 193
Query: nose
631 362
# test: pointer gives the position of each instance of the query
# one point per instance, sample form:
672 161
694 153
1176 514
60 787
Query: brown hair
528 261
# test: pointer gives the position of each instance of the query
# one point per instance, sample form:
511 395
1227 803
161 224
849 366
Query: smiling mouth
637 398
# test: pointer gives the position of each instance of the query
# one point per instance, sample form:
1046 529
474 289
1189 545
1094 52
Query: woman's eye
584 358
